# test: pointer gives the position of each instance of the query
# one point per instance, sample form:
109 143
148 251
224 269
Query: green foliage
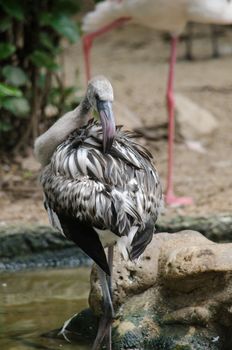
30 42
62 24
42 59
14 75
18 106
13 8
6 50
6 90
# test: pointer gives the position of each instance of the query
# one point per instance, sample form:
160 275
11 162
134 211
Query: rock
129 278
37 246
124 116
192 121
177 296
29 246
216 227
196 146
51 111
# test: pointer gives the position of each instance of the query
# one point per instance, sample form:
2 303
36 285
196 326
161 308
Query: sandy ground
135 60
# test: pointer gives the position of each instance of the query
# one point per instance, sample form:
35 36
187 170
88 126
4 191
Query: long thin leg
110 263
110 282
170 197
108 313
87 41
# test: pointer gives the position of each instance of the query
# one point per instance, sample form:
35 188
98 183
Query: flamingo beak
108 124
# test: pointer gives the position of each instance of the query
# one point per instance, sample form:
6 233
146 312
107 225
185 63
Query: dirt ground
135 60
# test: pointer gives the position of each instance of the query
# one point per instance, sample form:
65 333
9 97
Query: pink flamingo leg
88 39
171 199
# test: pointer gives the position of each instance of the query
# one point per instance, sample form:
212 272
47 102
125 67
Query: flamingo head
100 96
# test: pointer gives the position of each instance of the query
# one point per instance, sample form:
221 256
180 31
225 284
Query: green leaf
5 24
62 24
6 50
46 41
68 7
54 96
13 8
14 75
18 106
42 59
7 90
5 126
41 81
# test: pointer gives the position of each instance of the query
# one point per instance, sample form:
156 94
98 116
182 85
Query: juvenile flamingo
164 15
100 188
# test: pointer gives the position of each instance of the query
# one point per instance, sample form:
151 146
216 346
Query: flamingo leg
104 328
171 199
110 263
87 41
109 281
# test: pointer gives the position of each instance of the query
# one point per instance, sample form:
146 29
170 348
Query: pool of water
36 302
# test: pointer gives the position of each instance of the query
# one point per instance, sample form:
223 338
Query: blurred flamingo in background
164 15
214 33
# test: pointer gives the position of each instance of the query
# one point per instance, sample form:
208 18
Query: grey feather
98 188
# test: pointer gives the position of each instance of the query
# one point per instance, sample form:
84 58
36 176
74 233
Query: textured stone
177 296
35 245
123 114
192 121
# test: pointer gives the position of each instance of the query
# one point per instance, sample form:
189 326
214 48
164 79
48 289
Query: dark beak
108 124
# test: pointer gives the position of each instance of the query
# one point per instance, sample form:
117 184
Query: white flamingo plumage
164 15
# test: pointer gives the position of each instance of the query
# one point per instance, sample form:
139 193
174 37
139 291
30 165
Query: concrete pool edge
31 246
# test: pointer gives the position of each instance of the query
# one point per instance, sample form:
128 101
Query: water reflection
32 303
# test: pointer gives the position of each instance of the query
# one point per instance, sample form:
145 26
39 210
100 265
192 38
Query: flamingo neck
85 107
46 144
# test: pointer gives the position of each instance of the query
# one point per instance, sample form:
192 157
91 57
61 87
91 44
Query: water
33 303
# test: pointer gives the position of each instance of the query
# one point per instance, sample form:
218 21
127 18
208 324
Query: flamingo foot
174 201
